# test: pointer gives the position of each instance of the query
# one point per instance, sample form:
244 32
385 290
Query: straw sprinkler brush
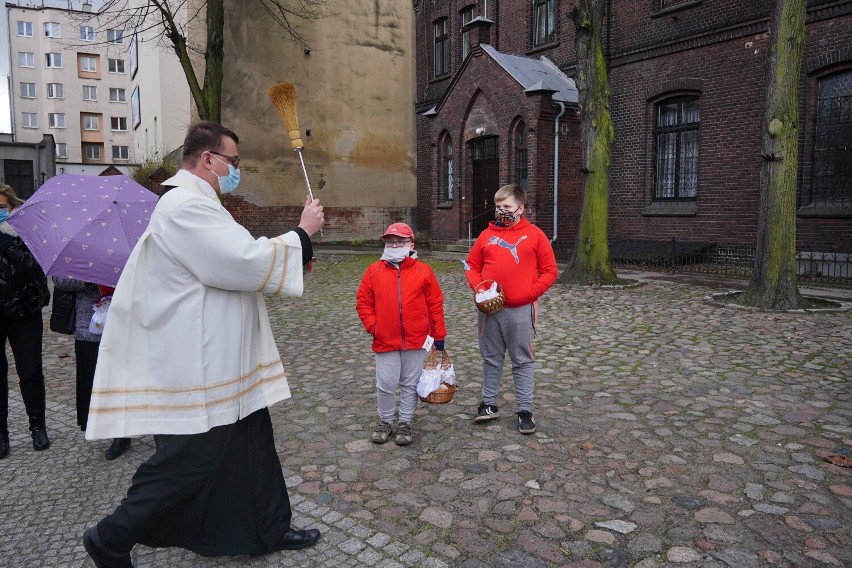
283 97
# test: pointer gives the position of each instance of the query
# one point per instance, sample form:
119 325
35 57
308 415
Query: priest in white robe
188 356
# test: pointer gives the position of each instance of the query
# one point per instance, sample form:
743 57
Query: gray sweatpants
398 369
512 330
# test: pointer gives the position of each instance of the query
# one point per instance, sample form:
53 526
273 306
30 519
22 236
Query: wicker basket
445 392
441 395
494 304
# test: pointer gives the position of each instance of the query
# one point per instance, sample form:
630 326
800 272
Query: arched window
676 149
832 177
521 156
446 172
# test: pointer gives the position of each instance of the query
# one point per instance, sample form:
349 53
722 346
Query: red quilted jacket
399 307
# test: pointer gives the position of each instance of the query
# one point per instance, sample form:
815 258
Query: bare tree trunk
214 57
164 16
590 262
773 282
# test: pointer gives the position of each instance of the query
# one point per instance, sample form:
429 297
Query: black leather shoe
100 557
40 439
294 540
117 448
4 444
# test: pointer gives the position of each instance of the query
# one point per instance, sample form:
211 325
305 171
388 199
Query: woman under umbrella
86 346
23 293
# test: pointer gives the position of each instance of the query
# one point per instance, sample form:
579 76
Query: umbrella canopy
84 227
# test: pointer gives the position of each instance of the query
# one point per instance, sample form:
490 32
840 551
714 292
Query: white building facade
70 78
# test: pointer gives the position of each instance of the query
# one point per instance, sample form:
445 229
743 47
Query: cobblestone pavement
671 432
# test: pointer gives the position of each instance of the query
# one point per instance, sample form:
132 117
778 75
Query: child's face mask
505 217
397 255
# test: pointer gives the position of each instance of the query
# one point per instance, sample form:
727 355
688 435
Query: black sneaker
525 422
486 412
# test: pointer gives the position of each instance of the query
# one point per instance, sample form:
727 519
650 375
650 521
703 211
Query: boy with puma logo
518 256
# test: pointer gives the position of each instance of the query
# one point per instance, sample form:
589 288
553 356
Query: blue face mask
229 183
4 214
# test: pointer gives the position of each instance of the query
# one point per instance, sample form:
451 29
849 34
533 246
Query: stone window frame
469 10
442 40
665 7
815 70
554 34
657 93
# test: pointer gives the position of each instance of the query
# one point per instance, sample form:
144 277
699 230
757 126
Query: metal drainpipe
556 170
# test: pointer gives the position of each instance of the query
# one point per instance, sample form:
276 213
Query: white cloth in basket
488 294
431 379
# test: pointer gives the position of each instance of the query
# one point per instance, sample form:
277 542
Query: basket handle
445 360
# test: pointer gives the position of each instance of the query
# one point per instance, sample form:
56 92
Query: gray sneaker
403 434
382 432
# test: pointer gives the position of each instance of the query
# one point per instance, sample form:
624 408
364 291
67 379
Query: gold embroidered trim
284 269
271 268
183 407
167 390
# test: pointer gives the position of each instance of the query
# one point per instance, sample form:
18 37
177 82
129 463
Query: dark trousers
86 353
25 336
218 493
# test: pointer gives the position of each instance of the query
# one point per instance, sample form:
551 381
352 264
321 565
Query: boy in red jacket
400 304
518 256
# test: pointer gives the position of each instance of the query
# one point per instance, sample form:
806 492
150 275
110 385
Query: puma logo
513 247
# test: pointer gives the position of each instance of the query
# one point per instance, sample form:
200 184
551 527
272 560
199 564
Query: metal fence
729 260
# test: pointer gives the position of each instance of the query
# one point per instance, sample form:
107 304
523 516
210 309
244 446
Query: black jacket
23 286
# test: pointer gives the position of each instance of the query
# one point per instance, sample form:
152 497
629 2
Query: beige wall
355 94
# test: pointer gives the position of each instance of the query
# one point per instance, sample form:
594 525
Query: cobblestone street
671 432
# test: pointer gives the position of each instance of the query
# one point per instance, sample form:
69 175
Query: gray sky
5 119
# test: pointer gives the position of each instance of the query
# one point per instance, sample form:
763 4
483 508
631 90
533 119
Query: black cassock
218 493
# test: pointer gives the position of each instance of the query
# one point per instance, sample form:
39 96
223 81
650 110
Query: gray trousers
512 330
398 369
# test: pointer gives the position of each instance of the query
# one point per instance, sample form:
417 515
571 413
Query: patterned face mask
505 218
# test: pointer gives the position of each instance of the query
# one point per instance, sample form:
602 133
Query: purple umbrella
84 227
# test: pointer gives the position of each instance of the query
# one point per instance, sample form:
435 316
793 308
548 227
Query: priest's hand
312 217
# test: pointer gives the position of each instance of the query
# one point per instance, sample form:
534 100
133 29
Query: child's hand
439 344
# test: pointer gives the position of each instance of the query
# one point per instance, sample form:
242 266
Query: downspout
556 169
9 77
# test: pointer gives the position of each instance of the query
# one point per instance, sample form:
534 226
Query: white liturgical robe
187 343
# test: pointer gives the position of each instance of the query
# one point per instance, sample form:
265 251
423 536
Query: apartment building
70 78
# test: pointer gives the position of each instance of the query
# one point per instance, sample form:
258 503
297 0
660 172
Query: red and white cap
399 230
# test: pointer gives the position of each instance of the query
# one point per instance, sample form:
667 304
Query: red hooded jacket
520 258
399 307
